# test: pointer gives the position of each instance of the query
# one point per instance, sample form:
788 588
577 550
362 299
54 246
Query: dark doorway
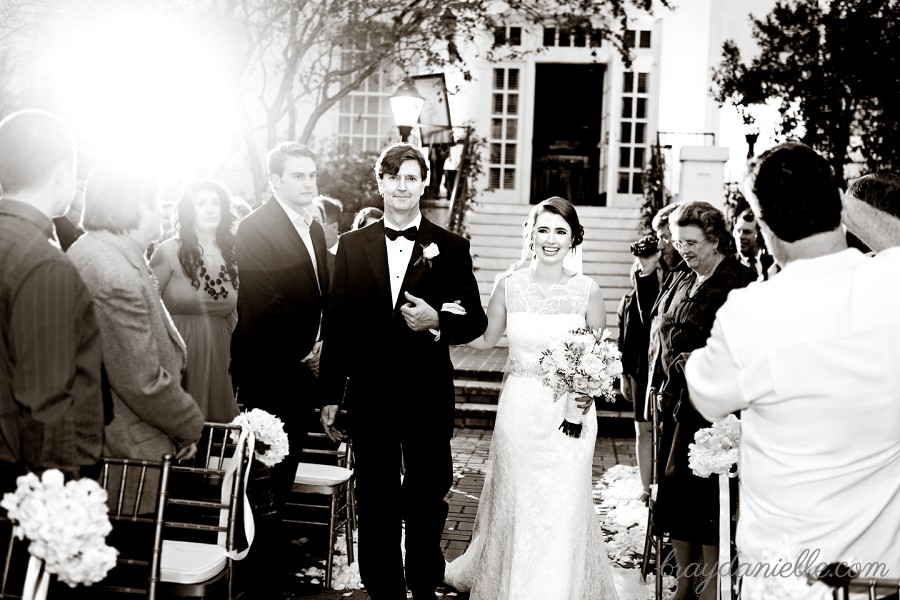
567 114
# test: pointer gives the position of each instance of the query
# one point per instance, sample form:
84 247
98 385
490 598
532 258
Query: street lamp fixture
406 104
751 136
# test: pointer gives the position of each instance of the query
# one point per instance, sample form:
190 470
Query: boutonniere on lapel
428 252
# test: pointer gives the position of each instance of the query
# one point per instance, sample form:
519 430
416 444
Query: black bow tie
409 233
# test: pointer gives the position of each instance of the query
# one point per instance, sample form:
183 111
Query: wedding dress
536 533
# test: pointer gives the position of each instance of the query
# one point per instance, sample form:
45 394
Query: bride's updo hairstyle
561 207
553 204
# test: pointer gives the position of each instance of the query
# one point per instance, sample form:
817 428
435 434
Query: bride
536 533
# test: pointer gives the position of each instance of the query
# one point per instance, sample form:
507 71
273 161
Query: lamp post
751 136
406 104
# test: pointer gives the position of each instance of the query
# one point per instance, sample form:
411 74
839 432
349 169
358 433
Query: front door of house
567 117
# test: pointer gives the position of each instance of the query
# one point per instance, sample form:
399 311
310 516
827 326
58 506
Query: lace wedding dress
536 533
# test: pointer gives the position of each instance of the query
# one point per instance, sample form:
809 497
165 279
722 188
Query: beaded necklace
210 282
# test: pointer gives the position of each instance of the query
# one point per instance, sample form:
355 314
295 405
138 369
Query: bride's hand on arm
595 314
496 314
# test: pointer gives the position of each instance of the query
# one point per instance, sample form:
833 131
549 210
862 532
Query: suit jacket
370 349
280 303
766 262
143 352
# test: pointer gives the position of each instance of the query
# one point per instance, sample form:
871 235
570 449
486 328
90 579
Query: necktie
409 233
751 262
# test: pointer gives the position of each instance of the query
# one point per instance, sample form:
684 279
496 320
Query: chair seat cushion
315 474
190 562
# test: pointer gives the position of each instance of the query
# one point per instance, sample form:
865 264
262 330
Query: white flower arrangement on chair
271 442
715 449
67 524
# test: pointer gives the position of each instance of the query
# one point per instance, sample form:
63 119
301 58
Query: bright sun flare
146 90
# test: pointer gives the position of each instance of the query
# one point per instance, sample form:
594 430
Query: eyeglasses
685 245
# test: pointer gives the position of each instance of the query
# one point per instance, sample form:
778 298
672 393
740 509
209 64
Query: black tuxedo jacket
280 303
370 352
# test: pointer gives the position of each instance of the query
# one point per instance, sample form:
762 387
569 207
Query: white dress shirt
811 358
399 252
301 222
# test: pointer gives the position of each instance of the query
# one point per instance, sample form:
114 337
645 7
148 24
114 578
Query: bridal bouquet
67 524
585 363
715 449
271 442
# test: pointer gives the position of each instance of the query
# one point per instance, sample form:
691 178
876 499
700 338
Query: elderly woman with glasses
687 506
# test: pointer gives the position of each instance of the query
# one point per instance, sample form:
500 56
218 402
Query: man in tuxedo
276 344
387 355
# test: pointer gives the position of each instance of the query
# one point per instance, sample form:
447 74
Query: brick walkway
470 457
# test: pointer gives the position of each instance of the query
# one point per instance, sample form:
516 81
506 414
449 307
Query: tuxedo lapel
415 271
376 254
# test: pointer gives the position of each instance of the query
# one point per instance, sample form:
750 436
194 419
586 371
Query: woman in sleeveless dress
537 535
198 282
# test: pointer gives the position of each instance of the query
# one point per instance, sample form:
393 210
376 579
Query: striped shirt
51 408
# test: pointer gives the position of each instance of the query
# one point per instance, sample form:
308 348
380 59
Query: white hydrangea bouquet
67 524
585 363
271 442
715 449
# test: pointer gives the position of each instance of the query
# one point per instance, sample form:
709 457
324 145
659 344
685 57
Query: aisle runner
623 517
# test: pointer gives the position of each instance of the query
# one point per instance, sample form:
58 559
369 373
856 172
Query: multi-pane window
504 133
633 131
637 38
571 38
511 36
365 120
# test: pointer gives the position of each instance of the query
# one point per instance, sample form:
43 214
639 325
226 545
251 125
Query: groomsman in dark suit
751 247
276 344
388 346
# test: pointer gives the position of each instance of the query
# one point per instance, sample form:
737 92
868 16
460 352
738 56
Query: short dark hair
32 143
395 155
711 222
332 208
796 190
880 190
278 154
561 207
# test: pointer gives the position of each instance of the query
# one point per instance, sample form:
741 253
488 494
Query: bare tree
289 53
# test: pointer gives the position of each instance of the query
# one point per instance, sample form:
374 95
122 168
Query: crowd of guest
766 313
107 353
776 317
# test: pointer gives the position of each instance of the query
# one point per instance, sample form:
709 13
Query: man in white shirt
811 361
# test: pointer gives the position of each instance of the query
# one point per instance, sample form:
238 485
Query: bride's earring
531 247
